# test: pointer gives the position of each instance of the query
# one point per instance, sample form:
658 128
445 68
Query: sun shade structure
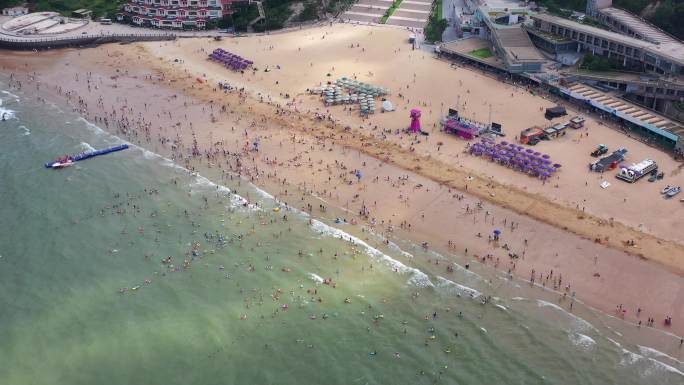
349 91
523 160
230 60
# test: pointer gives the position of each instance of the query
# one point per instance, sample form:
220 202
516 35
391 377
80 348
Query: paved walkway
367 11
411 13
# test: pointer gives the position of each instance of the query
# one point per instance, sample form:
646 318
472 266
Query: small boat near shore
60 163
68 160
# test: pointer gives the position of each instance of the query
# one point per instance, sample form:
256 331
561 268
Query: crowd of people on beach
168 125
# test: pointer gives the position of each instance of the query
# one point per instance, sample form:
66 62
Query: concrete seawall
43 43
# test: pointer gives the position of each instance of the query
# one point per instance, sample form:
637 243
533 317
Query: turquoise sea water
85 297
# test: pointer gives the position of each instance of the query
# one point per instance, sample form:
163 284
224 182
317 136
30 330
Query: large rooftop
672 50
518 45
643 28
492 13
645 118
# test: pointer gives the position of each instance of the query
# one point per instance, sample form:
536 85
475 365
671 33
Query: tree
225 22
669 17
596 63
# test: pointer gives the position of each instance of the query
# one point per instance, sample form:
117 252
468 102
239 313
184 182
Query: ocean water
253 294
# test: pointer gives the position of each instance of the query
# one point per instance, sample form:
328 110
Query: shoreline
293 172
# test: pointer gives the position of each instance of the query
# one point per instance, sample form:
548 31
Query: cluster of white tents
349 91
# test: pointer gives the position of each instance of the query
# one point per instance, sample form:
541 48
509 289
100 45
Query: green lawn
482 53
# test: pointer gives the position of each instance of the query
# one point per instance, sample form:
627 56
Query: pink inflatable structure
415 121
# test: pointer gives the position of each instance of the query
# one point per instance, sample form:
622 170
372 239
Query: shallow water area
251 293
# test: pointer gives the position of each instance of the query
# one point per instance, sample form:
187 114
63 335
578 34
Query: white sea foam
236 200
653 353
399 250
580 322
263 193
458 288
17 98
26 130
630 358
417 277
147 154
317 278
393 246
502 307
87 146
6 113
96 129
468 271
582 341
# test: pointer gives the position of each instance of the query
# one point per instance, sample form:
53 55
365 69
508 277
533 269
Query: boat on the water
67 160
60 163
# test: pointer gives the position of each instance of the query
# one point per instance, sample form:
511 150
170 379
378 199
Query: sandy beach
571 233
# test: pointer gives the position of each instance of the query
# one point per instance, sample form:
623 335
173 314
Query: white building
15 11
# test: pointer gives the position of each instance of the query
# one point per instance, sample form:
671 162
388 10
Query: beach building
651 64
177 14
664 58
623 22
498 40
15 11
82 13
654 127
504 29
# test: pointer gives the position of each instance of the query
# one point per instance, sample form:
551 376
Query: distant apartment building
15 11
177 14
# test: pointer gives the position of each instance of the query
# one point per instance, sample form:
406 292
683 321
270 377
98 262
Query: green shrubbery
596 63
310 11
436 25
100 8
335 7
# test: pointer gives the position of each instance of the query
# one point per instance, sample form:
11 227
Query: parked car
600 150
673 191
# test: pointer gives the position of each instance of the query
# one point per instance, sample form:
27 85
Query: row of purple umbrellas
230 60
516 157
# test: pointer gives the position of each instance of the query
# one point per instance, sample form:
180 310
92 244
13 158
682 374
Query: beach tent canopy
554 112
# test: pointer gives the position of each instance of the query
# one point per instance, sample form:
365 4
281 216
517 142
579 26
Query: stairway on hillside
262 14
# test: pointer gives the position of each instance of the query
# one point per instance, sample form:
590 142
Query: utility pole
490 114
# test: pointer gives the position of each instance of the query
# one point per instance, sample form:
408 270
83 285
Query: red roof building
176 13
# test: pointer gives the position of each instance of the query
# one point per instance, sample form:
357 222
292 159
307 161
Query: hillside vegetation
665 14
100 8
279 13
